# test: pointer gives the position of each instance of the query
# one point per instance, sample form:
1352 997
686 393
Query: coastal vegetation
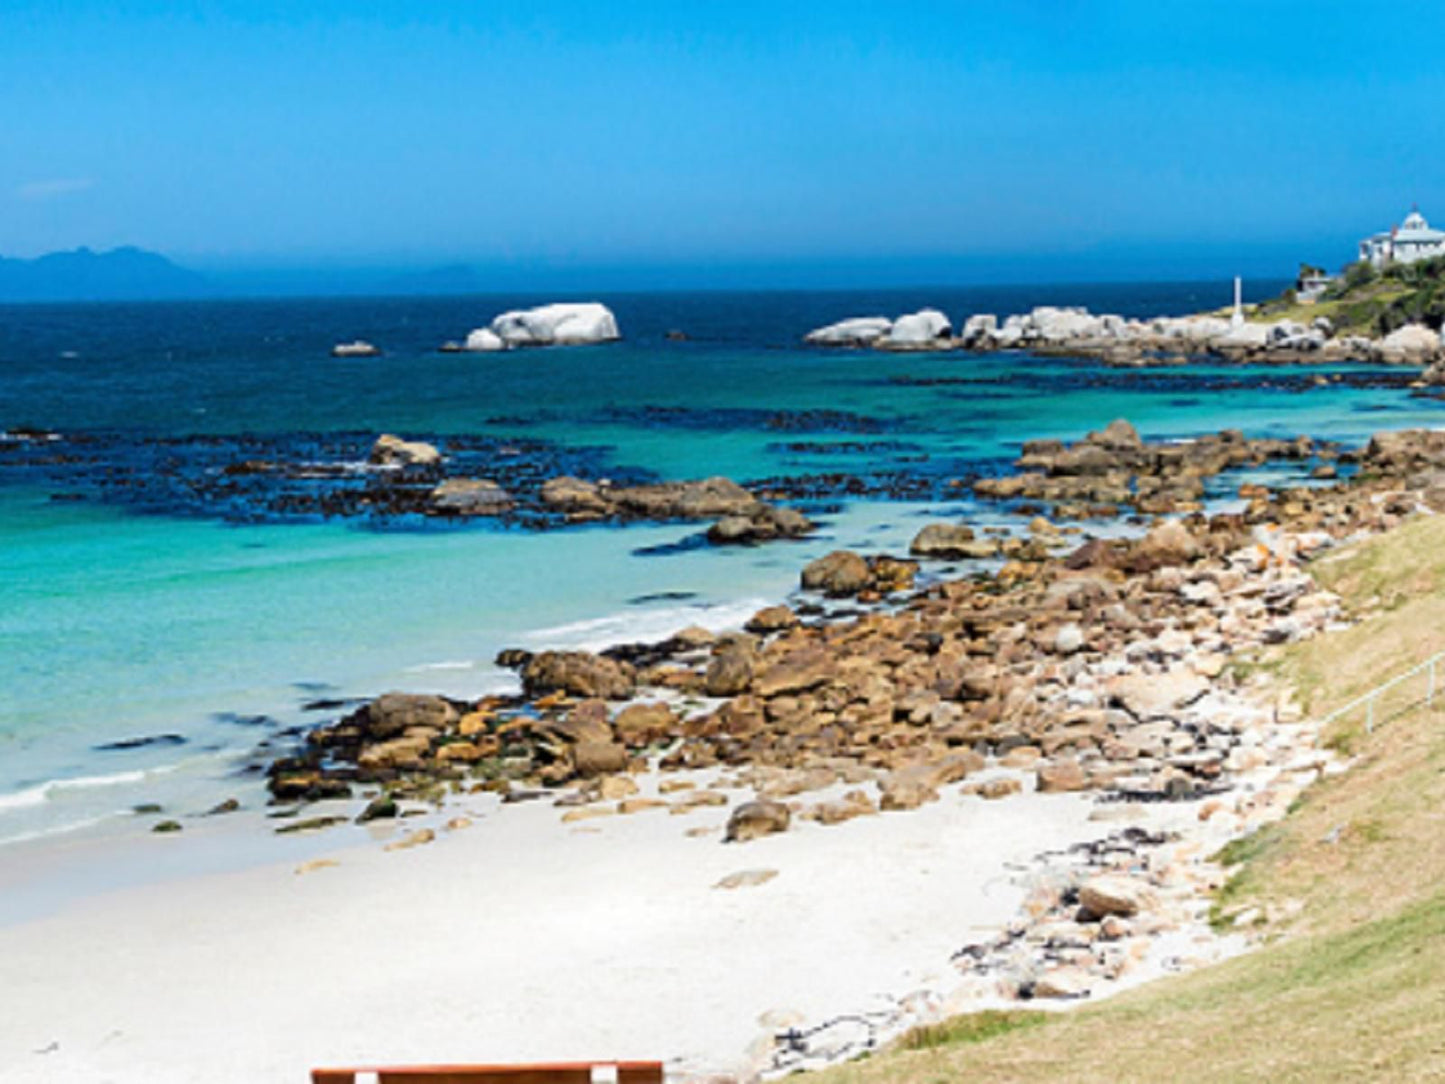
1366 300
1344 893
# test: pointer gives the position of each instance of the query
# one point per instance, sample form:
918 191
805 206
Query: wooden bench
583 1072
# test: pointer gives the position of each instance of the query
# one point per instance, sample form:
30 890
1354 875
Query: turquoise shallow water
119 623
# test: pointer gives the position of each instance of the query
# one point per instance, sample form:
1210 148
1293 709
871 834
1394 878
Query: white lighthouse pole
1238 317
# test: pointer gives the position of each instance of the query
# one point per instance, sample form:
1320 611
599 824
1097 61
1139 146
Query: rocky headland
1120 341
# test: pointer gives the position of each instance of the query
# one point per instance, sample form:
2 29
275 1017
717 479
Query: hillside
122 274
1348 893
1367 301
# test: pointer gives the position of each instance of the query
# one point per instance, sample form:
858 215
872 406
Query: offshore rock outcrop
1122 341
1114 469
558 324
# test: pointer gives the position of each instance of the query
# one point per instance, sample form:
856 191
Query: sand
517 939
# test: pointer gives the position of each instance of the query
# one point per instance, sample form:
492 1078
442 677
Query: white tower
1238 318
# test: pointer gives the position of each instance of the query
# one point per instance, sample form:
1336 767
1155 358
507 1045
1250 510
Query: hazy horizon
851 141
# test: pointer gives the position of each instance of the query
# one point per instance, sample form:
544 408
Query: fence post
1370 716
1430 695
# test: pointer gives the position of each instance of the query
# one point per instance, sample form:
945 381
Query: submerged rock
951 542
392 451
470 497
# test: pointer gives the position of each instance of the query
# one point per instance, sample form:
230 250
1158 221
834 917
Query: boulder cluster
1114 469
927 329
1105 669
548 325
738 517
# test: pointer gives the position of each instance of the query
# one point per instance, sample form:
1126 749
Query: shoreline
1051 947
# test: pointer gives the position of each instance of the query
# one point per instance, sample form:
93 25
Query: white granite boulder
1413 343
919 328
1244 337
484 340
555 325
1056 325
856 331
979 328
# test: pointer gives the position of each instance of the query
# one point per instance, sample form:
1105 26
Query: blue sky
848 139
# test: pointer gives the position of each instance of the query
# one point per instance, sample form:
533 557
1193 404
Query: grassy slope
1356 312
1365 301
1352 983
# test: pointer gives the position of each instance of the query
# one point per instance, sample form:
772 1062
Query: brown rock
392 714
405 754
639 805
459 751
587 813
639 725
1113 895
598 758
392 451
730 672
1062 775
838 575
614 788
578 673
772 619
588 721
999 788
752 820
415 839
909 787
568 494
747 878
798 671
1170 543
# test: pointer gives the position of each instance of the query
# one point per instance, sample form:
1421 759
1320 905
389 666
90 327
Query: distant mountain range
133 274
122 274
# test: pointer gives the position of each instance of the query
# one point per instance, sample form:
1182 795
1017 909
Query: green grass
971 1028
1369 302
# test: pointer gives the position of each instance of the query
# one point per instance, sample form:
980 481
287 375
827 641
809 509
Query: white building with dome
1411 240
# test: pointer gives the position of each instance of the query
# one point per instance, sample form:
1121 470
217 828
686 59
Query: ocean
154 639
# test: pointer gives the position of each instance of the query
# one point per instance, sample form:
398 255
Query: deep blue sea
134 612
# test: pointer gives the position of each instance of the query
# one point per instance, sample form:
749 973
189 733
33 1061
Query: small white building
1411 240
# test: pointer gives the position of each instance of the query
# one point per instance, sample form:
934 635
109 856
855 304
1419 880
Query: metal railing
1371 698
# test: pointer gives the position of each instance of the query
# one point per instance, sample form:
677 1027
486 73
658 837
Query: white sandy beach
516 939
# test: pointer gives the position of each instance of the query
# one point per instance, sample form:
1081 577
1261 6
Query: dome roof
1415 221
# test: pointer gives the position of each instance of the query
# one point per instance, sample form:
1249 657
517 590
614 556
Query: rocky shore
1110 667
1120 341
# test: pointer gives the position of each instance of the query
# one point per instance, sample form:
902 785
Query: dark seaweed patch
667 549
139 743
729 419
662 596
